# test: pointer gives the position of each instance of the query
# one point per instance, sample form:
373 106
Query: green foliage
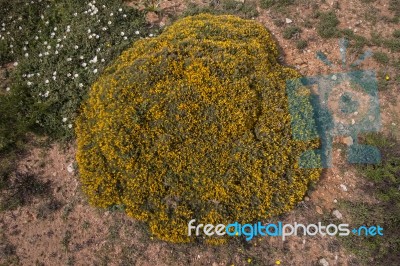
393 44
246 9
291 31
327 26
301 44
275 3
60 48
396 34
381 57
386 183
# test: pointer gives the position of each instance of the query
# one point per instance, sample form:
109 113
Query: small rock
337 214
319 210
335 201
288 20
70 168
323 262
353 121
306 198
343 187
334 77
348 141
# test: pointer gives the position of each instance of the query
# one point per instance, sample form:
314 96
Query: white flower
125 38
58 40
102 60
64 119
68 30
97 36
90 36
151 35
69 59
137 32
46 81
29 83
8 89
95 71
122 33
69 125
46 94
76 75
109 22
69 74
75 14
24 48
111 14
54 73
104 28
80 85
55 28
48 47
124 15
89 31
76 47
94 60
26 55
15 63
54 77
45 43
40 55
56 52
46 53
120 10
36 37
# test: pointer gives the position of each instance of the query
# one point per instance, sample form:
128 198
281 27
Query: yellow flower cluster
194 124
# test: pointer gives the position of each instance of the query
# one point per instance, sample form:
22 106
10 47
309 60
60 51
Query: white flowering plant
58 49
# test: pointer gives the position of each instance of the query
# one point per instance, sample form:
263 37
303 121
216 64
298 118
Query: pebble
323 262
288 20
337 214
343 187
70 168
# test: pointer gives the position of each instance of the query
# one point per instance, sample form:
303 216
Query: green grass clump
386 182
60 48
301 44
275 3
195 124
381 57
327 25
291 31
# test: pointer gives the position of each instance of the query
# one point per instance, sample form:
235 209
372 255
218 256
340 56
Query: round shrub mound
194 124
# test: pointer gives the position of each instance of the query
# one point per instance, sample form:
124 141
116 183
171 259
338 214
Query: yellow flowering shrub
194 124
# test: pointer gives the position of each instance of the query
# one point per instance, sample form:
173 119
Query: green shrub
381 57
327 26
396 34
291 31
194 124
386 213
301 44
61 47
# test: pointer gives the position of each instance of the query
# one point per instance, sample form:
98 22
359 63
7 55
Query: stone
348 140
70 168
318 209
288 20
323 262
306 198
343 187
337 214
